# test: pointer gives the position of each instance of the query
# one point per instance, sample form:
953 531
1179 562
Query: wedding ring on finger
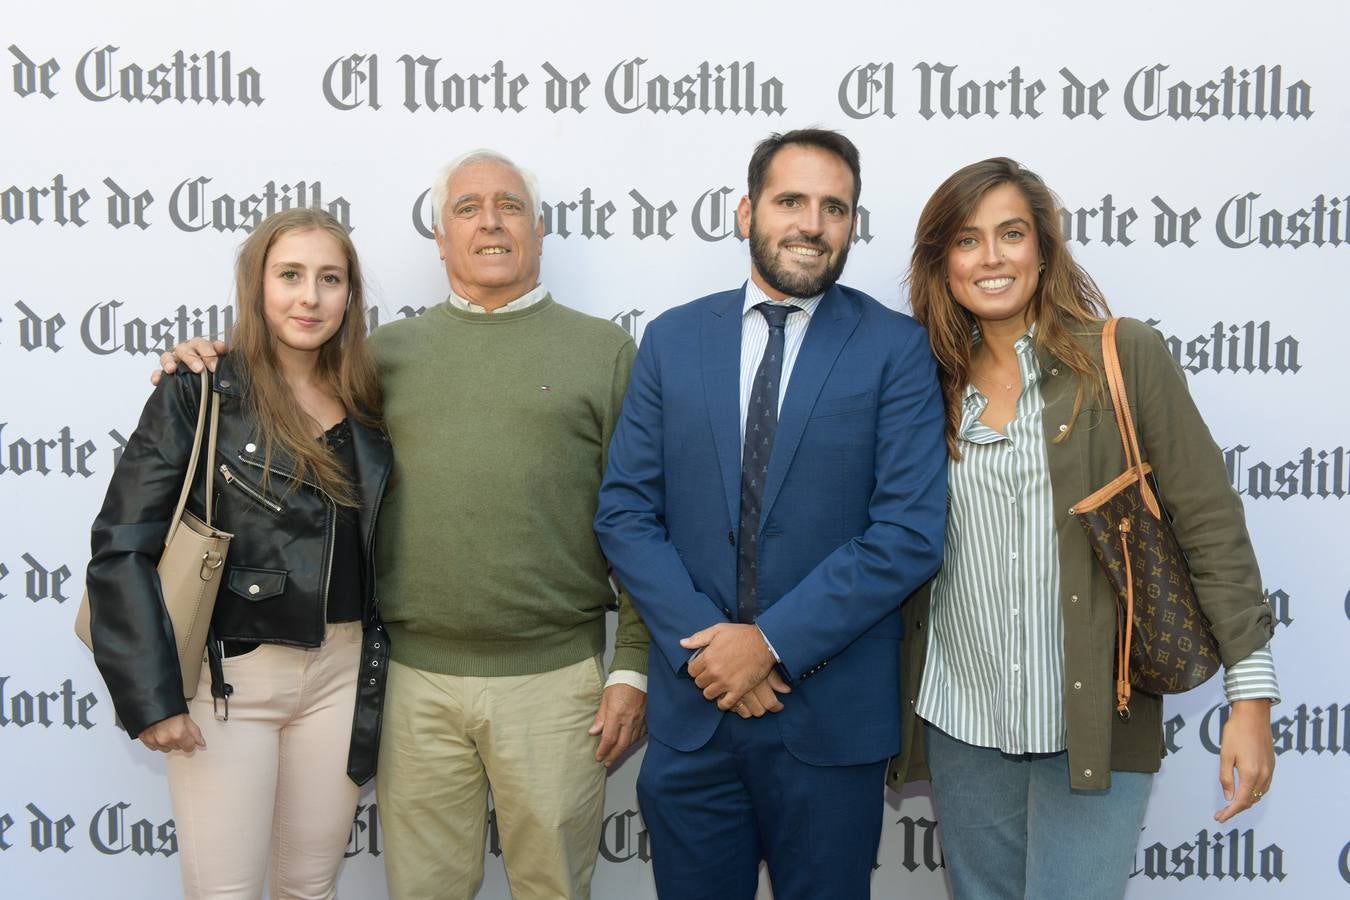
1257 795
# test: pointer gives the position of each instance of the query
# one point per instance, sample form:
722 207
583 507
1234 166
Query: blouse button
1054 371
1078 685
250 448
1087 773
1073 598
253 589
1063 428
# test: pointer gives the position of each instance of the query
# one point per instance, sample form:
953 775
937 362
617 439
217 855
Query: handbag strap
1124 628
1115 382
211 455
202 407
1129 440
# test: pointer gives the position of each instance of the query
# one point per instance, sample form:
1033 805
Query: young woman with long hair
259 759
1039 785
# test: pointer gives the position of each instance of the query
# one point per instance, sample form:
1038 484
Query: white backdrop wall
1198 147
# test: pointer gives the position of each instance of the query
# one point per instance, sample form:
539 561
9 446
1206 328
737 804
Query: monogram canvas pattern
1172 649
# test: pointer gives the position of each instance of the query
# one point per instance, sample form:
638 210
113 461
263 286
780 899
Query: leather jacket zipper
239 483
332 536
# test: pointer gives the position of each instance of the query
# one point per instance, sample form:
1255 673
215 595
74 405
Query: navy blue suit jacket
853 514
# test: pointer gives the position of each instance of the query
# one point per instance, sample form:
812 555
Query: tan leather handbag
1164 644
191 565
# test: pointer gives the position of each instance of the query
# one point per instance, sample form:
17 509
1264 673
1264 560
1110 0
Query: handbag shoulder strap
202 407
211 452
1129 439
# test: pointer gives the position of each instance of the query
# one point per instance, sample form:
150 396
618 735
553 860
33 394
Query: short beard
794 284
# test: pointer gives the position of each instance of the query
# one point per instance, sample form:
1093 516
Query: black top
345 576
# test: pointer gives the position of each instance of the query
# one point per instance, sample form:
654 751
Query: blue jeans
1012 828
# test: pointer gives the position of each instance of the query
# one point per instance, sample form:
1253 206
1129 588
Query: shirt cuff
776 658
628 677
1252 678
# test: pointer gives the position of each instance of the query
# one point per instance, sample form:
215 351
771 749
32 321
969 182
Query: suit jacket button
731 538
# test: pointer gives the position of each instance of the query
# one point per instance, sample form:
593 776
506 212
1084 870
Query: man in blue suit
776 486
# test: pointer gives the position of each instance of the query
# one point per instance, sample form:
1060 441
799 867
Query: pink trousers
269 798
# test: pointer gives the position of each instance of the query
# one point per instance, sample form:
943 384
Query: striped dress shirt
994 675
755 337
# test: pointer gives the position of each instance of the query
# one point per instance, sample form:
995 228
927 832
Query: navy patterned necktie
761 420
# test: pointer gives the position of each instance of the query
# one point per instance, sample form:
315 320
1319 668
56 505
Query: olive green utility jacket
1209 524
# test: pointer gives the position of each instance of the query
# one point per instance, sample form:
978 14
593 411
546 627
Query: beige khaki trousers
270 791
447 738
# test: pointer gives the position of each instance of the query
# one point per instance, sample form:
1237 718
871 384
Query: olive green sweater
486 560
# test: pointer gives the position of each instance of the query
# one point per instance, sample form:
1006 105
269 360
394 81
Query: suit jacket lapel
833 322
720 343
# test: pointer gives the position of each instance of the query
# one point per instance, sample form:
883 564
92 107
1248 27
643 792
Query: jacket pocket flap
257 584
838 406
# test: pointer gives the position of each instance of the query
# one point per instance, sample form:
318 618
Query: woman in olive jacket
1039 784
264 762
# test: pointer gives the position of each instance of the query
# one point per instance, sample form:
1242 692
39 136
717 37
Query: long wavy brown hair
1065 301
345 363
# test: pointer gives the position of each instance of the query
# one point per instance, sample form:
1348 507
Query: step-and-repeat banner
1199 150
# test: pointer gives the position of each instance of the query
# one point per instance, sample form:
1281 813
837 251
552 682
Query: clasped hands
734 667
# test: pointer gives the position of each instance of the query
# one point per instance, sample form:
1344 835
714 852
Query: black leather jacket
275 583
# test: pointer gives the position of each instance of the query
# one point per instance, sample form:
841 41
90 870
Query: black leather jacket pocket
256 584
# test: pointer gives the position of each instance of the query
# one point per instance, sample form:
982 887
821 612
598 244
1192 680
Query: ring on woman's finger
1257 795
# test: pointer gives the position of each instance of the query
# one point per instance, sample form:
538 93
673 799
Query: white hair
440 187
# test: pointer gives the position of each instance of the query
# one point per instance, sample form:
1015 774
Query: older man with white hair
500 403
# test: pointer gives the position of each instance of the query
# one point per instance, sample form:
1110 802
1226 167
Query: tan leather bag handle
206 402
1129 440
